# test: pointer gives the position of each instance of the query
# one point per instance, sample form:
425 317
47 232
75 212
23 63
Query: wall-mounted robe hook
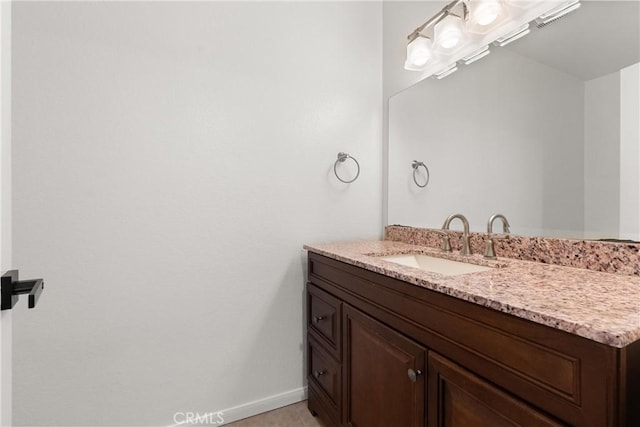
415 165
342 157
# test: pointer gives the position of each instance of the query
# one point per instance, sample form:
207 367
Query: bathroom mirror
545 131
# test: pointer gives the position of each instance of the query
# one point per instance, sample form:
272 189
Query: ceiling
599 38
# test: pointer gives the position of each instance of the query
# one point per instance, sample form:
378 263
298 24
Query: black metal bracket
11 288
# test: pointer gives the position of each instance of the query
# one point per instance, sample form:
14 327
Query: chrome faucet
489 251
466 248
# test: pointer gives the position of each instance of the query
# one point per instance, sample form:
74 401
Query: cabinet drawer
324 372
323 318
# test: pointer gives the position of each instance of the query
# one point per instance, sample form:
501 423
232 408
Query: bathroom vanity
520 343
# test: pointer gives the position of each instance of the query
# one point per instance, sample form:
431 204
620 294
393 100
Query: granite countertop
602 307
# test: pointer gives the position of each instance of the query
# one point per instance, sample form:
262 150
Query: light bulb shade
520 4
486 15
449 33
418 53
486 12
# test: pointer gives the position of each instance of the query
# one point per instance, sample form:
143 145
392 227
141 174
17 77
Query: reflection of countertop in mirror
602 307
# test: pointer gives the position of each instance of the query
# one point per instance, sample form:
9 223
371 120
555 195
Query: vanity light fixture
513 35
478 54
463 29
446 72
557 13
449 32
418 52
485 13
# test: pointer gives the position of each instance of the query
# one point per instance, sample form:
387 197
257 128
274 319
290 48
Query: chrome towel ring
415 165
342 157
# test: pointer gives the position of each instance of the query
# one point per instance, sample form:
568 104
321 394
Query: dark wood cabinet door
458 398
385 375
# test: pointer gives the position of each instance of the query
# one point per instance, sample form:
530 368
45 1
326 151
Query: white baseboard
264 405
256 407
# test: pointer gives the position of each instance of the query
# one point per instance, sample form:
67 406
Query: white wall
400 17
612 155
5 135
170 160
630 152
602 156
495 141
6 262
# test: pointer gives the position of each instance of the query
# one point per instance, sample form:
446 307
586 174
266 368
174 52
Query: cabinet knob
413 375
318 374
316 319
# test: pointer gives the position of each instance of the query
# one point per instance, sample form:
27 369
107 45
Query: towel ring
415 165
342 157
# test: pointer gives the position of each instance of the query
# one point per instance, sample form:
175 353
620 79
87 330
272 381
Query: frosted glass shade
486 12
449 32
418 53
486 15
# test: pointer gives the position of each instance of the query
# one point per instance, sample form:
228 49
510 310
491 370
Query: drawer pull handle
317 319
413 375
318 374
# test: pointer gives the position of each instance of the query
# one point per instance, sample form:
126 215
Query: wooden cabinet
384 374
324 375
472 366
459 399
324 343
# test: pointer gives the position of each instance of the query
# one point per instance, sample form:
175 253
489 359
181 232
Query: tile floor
296 415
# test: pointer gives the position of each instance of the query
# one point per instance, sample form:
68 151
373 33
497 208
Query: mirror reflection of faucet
446 245
489 252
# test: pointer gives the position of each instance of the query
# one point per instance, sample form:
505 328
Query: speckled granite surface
599 306
618 258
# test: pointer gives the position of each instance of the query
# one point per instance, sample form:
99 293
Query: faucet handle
446 242
489 250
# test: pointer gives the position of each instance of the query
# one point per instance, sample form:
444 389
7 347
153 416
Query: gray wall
602 156
170 160
630 152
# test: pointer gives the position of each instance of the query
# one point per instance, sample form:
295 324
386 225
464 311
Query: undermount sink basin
435 265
